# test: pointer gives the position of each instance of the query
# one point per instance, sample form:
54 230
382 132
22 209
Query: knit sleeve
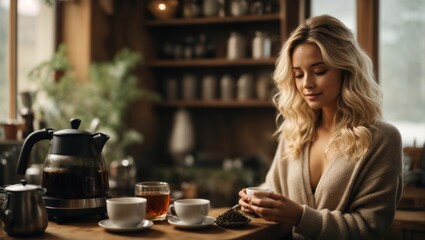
369 218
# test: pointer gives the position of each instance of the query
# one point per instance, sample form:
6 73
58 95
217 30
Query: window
344 10
35 43
4 83
402 67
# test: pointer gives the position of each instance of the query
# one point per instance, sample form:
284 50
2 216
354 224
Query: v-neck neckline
306 170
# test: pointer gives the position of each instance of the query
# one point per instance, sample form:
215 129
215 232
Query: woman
337 170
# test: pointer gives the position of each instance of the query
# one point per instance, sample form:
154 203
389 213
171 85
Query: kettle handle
29 142
6 217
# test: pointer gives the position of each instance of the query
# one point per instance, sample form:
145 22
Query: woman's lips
312 96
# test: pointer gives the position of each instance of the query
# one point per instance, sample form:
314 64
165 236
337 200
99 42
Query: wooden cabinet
181 35
223 128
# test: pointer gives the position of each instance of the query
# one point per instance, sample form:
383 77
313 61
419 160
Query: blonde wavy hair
358 106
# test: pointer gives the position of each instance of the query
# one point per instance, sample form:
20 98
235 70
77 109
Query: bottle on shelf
209 83
171 88
263 86
227 87
189 85
211 8
188 48
236 46
261 45
238 7
245 88
191 8
257 8
203 47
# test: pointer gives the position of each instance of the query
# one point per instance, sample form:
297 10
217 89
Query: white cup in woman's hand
251 191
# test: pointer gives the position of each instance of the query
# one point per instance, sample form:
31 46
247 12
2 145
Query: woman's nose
308 81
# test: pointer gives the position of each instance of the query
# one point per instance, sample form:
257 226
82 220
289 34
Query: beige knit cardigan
353 199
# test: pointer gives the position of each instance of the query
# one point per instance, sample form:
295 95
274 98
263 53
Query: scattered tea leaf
232 218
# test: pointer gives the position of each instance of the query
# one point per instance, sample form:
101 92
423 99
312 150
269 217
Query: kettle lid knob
24 182
75 123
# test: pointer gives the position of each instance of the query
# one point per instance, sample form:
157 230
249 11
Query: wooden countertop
258 228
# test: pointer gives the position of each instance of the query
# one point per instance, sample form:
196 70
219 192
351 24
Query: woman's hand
244 201
272 207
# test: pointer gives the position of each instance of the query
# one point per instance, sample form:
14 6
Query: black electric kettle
74 172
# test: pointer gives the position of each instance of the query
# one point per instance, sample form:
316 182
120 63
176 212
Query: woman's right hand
245 201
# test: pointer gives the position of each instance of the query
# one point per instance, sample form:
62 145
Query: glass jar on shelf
236 46
227 87
245 87
209 83
189 87
238 7
261 45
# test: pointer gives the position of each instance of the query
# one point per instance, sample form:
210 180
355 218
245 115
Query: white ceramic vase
182 138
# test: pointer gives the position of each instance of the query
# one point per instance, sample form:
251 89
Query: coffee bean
232 217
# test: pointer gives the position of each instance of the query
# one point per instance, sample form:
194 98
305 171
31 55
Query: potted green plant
100 101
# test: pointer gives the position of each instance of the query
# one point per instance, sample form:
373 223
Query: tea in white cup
250 191
126 211
190 211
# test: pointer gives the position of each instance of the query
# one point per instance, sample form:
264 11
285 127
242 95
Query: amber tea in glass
157 195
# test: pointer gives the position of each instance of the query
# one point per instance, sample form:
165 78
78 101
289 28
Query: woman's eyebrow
312 65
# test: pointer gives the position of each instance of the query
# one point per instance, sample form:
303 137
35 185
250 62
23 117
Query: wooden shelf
213 20
216 103
215 62
215 120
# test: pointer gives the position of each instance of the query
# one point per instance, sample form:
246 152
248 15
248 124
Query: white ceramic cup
190 211
251 190
126 211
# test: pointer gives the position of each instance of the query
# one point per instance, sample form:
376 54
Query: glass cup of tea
157 195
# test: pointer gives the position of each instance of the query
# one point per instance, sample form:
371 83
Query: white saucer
180 224
109 226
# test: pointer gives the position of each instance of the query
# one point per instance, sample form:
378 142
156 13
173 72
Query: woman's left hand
277 208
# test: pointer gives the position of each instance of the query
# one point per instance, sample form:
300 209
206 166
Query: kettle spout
99 140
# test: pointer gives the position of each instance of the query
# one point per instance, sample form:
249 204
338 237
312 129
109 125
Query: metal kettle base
61 210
